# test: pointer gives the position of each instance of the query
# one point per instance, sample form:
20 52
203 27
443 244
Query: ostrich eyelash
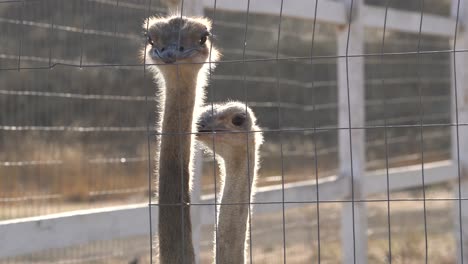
204 38
150 41
238 120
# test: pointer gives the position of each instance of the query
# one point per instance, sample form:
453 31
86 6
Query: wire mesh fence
78 105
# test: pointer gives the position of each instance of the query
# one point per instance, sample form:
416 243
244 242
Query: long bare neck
233 217
175 229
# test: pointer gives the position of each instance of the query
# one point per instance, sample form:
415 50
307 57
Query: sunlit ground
408 239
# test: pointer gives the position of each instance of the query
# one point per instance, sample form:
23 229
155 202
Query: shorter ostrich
225 129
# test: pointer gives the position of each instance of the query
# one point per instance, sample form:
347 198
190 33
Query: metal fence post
459 62
351 142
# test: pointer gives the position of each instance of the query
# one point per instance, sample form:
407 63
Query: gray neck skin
175 229
233 220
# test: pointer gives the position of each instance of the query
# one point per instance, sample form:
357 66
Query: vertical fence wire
49 42
83 169
244 88
384 103
148 139
314 131
21 34
213 142
182 140
457 131
421 129
115 22
15 117
278 87
83 26
350 125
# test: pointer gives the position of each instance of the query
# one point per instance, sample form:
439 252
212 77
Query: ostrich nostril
201 126
181 49
168 56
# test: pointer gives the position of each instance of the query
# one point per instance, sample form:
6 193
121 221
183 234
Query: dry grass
75 175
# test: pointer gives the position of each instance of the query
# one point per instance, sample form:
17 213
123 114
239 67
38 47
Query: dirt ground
300 236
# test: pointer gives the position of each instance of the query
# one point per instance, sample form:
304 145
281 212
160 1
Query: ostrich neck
181 91
175 230
233 218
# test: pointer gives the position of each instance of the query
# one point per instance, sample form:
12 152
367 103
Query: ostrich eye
204 37
150 41
238 120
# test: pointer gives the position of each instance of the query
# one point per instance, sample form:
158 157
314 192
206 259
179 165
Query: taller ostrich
180 49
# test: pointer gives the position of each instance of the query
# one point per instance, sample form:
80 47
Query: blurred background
75 103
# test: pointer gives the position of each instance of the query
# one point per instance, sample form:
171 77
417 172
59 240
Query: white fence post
351 113
460 133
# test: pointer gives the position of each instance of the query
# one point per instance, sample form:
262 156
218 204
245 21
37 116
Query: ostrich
237 150
180 49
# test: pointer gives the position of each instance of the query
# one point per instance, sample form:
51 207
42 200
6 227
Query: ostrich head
180 40
230 126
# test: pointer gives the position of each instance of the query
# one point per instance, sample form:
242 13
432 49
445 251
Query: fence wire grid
343 89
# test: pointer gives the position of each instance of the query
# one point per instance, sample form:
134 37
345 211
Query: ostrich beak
174 52
169 54
211 130
209 126
203 126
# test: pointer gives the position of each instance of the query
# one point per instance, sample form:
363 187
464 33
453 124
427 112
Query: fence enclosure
356 180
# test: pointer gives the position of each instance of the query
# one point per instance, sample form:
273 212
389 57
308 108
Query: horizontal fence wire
338 201
300 58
